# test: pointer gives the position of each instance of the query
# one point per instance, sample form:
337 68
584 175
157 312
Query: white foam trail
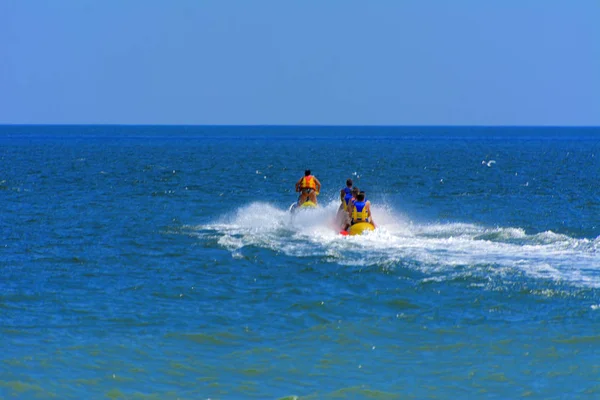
432 248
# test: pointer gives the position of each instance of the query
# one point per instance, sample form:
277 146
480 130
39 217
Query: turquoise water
161 262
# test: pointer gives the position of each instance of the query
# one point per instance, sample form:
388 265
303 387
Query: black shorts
307 190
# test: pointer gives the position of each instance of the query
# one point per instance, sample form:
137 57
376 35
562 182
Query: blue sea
145 262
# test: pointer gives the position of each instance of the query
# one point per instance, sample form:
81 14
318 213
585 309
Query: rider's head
307 172
355 191
349 182
361 196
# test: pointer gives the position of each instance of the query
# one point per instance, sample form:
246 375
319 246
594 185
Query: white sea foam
432 248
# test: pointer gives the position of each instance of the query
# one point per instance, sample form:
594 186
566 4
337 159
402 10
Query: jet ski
304 206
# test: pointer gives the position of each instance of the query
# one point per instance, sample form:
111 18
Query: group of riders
354 207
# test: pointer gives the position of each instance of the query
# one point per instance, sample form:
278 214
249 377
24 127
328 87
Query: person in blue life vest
345 195
344 192
309 187
360 210
349 199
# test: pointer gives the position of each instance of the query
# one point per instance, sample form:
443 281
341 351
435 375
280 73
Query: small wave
430 248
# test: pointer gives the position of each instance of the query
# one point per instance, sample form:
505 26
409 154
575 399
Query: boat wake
440 250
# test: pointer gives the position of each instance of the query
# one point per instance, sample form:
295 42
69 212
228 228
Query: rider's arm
370 214
318 185
298 184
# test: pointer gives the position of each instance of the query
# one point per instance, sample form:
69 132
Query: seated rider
360 210
349 199
309 187
345 191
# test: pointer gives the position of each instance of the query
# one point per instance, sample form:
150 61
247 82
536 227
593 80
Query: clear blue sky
345 62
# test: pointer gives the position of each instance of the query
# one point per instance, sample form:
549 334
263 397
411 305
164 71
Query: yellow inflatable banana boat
360 228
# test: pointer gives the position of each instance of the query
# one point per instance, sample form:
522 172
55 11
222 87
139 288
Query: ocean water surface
162 262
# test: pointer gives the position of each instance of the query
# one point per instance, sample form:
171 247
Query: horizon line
287 125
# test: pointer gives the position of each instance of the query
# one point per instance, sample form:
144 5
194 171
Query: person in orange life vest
309 187
361 210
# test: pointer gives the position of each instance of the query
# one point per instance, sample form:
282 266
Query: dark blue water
161 262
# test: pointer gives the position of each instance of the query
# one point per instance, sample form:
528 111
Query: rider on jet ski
308 186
